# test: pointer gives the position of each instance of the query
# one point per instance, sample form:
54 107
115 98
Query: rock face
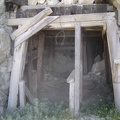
98 67
86 1
5 45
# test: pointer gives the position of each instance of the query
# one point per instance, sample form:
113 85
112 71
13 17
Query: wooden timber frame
106 21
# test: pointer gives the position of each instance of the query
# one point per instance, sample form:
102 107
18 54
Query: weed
41 110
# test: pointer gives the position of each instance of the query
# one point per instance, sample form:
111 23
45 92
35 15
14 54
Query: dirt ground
95 88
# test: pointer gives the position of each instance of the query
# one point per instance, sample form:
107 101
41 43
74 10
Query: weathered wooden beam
51 54
70 25
17 73
114 54
68 9
112 42
34 29
31 71
29 95
78 69
71 33
72 97
68 19
22 93
40 61
85 69
27 7
107 63
71 80
30 23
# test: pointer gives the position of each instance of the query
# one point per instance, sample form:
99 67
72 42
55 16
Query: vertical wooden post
17 73
85 57
113 43
71 96
40 61
51 53
78 68
71 80
22 93
32 81
107 63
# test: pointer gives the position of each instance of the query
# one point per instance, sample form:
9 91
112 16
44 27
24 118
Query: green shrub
103 110
41 110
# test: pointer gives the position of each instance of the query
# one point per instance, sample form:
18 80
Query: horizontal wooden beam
67 21
77 6
68 26
71 33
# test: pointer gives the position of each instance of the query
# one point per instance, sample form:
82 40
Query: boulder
98 67
68 2
86 1
97 59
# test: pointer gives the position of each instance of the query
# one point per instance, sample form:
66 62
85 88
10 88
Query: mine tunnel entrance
59 62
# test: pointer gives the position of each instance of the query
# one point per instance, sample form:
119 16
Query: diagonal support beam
34 29
17 73
31 22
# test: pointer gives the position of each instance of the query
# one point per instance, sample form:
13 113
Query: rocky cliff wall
5 46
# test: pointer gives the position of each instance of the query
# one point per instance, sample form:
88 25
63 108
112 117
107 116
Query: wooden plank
71 33
107 63
31 23
68 18
116 87
40 61
71 77
71 80
112 43
22 93
114 52
75 8
94 8
72 97
29 95
85 69
118 44
17 73
33 30
31 74
71 25
51 54
78 69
